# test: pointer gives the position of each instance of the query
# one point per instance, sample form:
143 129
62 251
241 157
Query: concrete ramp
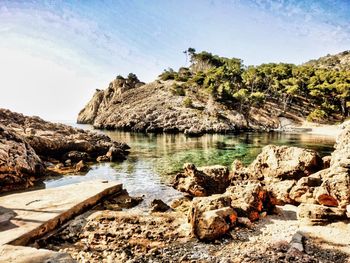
26 216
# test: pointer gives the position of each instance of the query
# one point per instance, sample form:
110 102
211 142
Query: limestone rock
159 206
279 192
247 199
319 213
202 181
19 164
285 163
211 217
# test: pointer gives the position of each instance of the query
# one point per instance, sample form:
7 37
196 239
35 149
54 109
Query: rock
57 141
154 107
114 154
279 192
211 217
326 161
244 221
276 163
215 223
297 242
202 181
319 213
302 191
76 156
159 206
248 200
20 166
81 167
68 162
103 158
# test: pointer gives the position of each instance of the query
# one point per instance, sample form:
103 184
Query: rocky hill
340 61
220 95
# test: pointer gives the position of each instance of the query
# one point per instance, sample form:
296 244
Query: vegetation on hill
323 85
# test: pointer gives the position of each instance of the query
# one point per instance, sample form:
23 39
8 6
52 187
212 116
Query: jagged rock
211 217
30 142
279 192
248 200
159 206
76 156
277 163
53 140
302 191
319 213
154 107
81 167
202 181
19 164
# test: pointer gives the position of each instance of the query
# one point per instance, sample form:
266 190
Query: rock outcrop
202 181
30 143
19 164
158 106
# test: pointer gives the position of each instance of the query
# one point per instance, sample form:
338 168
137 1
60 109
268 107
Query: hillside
339 61
220 95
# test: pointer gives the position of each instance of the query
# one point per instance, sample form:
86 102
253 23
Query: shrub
187 102
317 115
168 74
177 90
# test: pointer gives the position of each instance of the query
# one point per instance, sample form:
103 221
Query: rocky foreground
289 205
31 148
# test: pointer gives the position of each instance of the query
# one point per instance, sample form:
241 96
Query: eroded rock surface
202 181
28 144
20 166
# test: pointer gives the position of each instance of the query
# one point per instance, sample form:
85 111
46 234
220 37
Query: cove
155 158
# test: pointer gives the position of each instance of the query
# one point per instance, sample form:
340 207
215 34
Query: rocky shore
31 148
289 205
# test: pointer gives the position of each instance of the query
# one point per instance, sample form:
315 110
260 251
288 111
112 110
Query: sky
54 54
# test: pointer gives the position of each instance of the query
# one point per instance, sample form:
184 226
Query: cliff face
160 106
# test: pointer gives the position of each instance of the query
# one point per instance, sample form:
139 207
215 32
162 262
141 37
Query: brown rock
202 181
319 213
285 163
279 192
247 200
211 217
326 161
81 167
159 206
20 166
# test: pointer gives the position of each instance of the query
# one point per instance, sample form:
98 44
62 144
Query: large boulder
19 164
276 163
202 181
248 200
320 214
211 217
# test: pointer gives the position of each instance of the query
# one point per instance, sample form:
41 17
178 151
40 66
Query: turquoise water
154 159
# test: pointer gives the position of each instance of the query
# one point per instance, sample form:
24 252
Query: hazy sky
54 54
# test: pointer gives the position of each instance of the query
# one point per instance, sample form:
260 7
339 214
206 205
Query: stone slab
28 215
20 254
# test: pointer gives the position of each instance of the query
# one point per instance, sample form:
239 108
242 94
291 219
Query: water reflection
154 158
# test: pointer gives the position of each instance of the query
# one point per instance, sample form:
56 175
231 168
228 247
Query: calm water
154 159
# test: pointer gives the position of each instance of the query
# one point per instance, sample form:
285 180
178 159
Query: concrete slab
26 216
19 254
